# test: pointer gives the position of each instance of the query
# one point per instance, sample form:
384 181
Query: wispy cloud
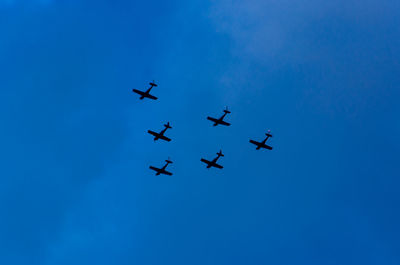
265 29
332 46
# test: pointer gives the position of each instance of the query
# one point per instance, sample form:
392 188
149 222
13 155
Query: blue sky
322 75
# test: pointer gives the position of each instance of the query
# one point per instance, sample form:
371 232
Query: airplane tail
226 110
168 161
152 83
220 153
268 134
167 126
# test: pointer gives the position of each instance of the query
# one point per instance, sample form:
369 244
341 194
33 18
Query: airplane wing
212 119
205 161
144 94
224 123
260 145
154 133
154 168
167 173
150 96
254 142
218 121
138 92
267 147
217 165
165 138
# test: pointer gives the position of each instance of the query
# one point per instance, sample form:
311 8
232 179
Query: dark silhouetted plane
162 170
213 163
160 135
262 144
220 120
146 94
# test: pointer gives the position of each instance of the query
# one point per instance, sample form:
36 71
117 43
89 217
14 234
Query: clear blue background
75 187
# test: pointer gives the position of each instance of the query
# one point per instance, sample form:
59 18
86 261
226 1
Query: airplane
220 120
213 163
162 170
160 135
262 144
146 94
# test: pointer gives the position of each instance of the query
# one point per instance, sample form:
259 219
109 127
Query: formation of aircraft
146 94
262 143
161 135
213 163
220 121
162 170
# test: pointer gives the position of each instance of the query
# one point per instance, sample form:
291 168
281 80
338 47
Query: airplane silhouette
220 120
146 94
262 144
162 170
160 135
213 163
